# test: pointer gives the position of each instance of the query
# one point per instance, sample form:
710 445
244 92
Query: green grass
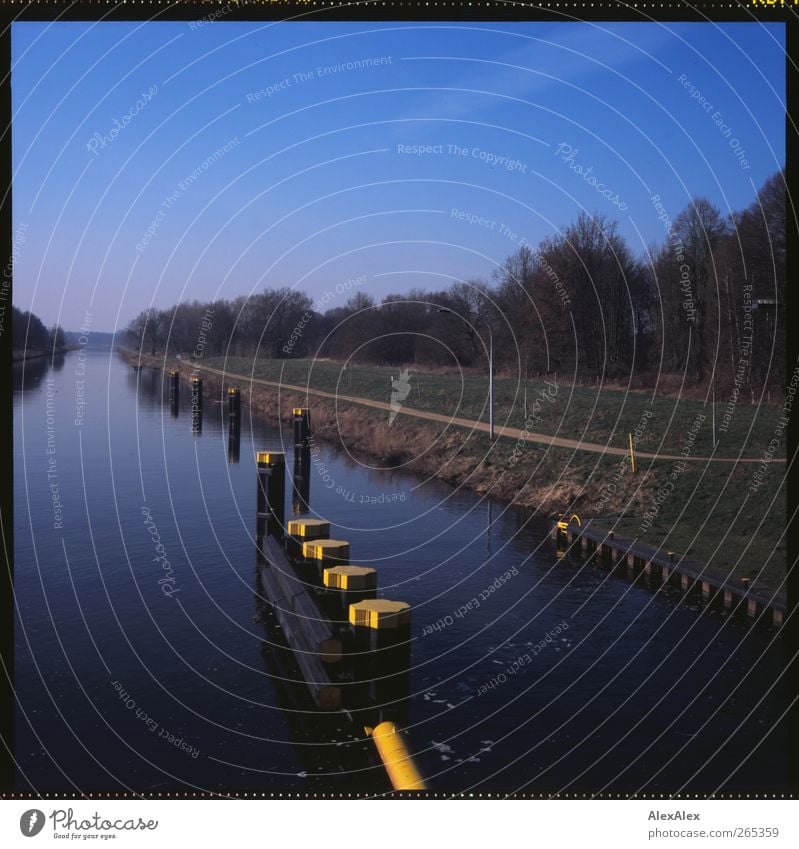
710 515
595 414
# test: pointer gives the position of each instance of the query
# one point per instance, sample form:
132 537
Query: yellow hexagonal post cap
270 458
327 550
350 577
307 529
380 613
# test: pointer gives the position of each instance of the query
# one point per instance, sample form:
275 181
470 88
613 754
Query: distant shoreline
36 353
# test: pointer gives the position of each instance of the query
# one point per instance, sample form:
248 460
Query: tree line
29 333
706 302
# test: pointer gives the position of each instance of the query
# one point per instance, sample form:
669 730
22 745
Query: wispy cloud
563 54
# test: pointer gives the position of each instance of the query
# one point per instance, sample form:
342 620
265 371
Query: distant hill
97 339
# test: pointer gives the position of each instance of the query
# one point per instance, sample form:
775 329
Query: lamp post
490 372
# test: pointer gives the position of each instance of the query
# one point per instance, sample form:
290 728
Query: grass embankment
594 414
704 510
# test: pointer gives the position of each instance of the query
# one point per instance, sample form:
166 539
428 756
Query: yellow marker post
632 455
393 750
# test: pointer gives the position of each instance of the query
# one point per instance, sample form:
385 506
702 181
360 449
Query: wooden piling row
664 568
307 575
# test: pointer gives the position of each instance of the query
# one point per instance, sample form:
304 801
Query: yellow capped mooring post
234 411
174 393
302 428
234 425
321 553
301 478
348 585
271 494
382 643
393 750
305 530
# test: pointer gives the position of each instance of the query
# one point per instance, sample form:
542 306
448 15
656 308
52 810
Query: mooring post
301 479
305 530
234 410
348 585
174 393
196 405
233 447
382 640
302 428
301 483
326 552
271 494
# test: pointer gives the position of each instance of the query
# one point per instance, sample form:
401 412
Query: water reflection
28 374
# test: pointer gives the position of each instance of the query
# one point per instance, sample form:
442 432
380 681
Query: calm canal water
561 679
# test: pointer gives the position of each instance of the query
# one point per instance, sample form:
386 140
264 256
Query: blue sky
250 167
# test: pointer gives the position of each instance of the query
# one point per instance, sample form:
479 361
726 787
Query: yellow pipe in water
396 758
